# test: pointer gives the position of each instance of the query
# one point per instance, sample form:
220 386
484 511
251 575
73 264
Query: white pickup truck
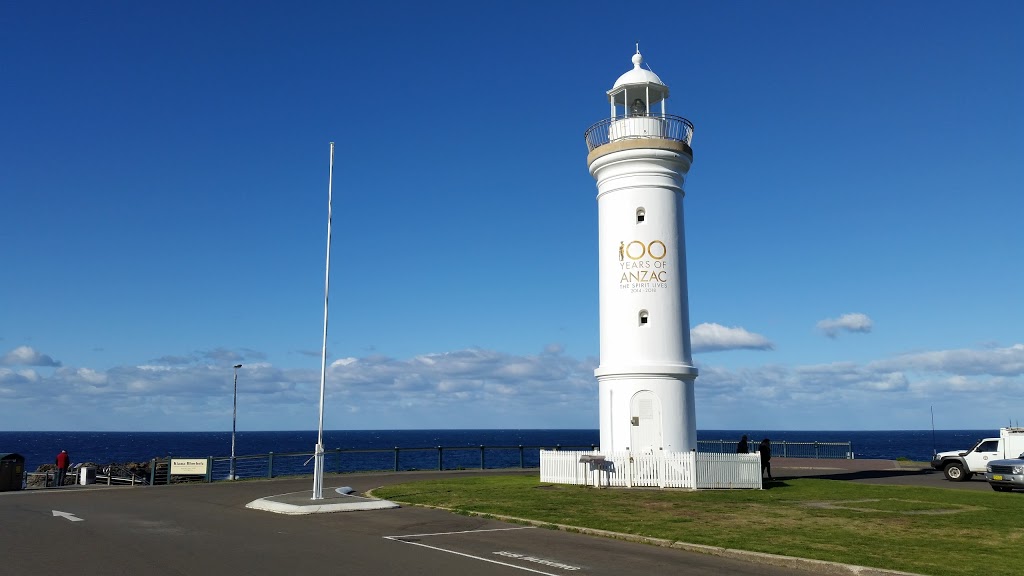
960 465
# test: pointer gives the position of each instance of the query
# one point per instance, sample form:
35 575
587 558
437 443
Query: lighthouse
639 157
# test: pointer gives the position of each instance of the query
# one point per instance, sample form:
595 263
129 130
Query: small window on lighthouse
643 317
641 215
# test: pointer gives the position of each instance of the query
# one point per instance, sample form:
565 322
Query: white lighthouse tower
640 158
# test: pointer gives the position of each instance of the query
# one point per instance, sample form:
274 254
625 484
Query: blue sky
852 213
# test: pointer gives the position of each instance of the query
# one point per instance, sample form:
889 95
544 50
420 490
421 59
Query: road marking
67 515
398 539
536 560
492 561
462 532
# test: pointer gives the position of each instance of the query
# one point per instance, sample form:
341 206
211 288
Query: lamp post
234 417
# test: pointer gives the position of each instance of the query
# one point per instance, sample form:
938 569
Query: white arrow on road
67 515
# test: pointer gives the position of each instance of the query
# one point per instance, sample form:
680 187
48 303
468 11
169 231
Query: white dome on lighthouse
639 75
639 83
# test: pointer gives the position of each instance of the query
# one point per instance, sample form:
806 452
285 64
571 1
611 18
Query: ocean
104 447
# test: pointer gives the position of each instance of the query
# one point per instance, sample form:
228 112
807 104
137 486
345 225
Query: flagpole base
318 473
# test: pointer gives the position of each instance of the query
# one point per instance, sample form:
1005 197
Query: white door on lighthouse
645 422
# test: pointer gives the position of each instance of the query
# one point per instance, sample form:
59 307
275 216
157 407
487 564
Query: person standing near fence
63 463
765 448
743 447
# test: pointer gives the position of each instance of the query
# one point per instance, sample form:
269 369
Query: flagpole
318 466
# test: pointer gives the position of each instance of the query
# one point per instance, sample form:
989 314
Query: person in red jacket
63 463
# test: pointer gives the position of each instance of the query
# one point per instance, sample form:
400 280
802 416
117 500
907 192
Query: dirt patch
889 506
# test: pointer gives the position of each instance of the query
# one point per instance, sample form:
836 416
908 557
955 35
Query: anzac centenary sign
644 266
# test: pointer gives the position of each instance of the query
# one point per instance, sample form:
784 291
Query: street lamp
234 417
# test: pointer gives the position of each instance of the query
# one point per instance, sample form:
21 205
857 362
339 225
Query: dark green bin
12 471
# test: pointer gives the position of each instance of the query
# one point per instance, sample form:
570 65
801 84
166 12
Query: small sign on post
188 466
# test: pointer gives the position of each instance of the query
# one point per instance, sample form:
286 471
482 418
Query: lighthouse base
647 413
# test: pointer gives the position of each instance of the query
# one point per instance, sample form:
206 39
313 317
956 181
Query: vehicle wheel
955 472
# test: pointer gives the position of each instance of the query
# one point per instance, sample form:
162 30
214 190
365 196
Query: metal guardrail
398 459
666 127
118 474
110 475
459 458
395 459
784 449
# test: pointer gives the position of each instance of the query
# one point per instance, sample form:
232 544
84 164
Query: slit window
643 317
641 215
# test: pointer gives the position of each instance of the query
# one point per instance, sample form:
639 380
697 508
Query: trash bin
12 469
86 475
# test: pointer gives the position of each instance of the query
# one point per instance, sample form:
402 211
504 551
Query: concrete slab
342 499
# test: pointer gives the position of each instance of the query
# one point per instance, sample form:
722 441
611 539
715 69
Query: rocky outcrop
45 475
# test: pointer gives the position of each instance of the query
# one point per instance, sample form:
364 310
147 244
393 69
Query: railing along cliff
397 459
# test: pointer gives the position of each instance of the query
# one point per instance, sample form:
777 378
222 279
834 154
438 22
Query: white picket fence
694 470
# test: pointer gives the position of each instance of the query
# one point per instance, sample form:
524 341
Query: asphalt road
874 472
205 529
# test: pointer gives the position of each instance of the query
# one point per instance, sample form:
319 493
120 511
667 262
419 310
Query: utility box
12 470
86 475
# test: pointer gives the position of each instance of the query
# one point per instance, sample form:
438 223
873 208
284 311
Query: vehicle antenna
934 450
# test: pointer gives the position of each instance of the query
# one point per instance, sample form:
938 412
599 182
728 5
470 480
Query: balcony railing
639 127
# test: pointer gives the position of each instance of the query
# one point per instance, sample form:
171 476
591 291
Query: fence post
481 456
209 469
815 449
521 456
270 465
693 469
784 449
440 452
396 458
152 472
110 472
851 449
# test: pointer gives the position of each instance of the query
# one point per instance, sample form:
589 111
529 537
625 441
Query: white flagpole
318 466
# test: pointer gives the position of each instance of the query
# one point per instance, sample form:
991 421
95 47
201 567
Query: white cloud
471 388
476 388
855 322
993 361
715 337
893 393
27 356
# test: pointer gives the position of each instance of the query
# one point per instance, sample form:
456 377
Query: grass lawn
914 529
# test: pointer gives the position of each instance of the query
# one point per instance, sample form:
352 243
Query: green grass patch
896 527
